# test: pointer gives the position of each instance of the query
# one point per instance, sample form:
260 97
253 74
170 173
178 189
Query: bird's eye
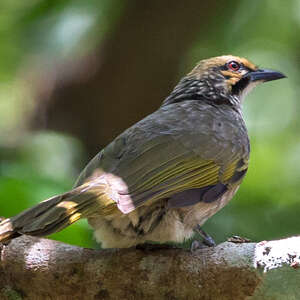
233 65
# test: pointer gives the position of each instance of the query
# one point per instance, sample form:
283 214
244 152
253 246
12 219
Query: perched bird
166 175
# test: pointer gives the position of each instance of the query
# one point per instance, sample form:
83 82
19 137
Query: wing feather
164 155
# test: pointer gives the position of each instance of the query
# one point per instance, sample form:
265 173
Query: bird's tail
60 211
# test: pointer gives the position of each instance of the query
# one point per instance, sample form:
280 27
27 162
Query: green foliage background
37 165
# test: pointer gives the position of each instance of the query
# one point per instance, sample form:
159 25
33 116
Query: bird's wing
144 166
176 173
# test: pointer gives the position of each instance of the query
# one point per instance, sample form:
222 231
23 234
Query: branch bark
33 268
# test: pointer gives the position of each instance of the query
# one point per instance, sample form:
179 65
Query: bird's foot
196 245
153 247
206 242
238 239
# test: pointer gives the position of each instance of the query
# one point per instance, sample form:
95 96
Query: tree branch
33 268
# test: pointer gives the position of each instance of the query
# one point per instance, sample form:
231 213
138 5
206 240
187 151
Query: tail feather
58 212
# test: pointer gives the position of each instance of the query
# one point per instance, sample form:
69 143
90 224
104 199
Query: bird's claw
206 242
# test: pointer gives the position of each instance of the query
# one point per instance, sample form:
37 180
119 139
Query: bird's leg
207 239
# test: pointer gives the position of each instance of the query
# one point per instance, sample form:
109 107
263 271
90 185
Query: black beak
265 75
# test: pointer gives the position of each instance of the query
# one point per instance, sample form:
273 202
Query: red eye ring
233 65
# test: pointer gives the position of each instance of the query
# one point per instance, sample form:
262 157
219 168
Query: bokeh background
74 74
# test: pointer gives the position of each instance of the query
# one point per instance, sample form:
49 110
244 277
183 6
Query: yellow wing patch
173 177
182 176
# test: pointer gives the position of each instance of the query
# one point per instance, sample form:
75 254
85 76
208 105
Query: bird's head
221 79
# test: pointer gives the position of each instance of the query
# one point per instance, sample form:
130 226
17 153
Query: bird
165 176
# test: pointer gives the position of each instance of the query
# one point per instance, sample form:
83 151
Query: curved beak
265 75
